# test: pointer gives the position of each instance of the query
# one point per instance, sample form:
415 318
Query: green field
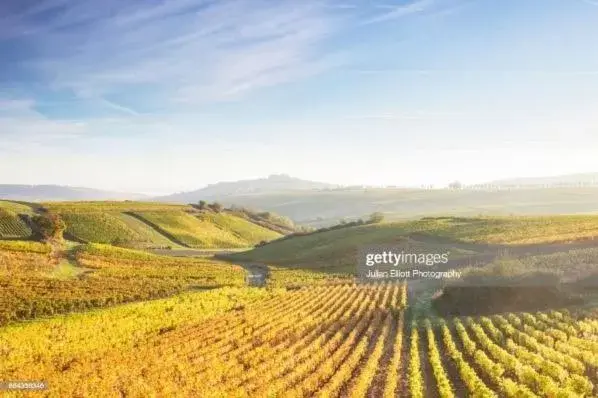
24 246
158 226
312 330
118 206
149 236
510 230
35 284
98 227
190 231
240 227
16 207
337 250
12 227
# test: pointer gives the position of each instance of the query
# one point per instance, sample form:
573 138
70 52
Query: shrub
376 218
50 226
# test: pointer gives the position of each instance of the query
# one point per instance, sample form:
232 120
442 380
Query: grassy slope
510 230
91 206
337 250
98 227
242 228
158 225
25 246
148 233
11 226
191 231
16 207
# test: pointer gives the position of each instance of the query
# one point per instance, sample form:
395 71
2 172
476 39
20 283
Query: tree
455 185
202 204
217 207
376 218
50 226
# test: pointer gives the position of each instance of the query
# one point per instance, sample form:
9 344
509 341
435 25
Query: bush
376 218
217 207
49 226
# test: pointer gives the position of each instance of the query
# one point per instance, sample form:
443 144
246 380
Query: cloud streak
400 11
191 51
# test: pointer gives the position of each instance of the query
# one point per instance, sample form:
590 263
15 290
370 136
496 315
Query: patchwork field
12 226
240 227
190 231
336 250
148 225
33 285
76 311
332 341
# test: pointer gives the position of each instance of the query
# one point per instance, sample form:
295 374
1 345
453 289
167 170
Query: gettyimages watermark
390 263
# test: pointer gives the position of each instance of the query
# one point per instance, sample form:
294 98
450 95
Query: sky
165 96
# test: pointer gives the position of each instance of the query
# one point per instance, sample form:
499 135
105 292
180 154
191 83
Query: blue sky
162 96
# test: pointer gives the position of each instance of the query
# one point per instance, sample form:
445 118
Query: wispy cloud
412 8
185 51
23 127
392 12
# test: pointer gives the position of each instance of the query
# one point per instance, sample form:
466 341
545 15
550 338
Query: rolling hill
12 226
560 180
327 207
337 250
147 225
273 183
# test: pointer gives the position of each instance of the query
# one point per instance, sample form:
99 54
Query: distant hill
582 179
273 183
41 193
326 207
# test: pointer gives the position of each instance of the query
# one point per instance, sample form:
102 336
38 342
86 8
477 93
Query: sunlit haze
166 96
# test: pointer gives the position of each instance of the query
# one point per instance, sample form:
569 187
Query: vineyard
109 276
11 226
155 226
240 227
328 341
188 230
110 206
98 227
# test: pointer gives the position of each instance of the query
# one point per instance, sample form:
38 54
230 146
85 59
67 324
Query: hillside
326 207
337 250
148 225
560 180
39 193
205 230
12 226
273 183
158 225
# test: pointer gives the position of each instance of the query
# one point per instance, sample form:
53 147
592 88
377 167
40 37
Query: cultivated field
11 226
336 250
99 320
148 225
100 276
339 340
